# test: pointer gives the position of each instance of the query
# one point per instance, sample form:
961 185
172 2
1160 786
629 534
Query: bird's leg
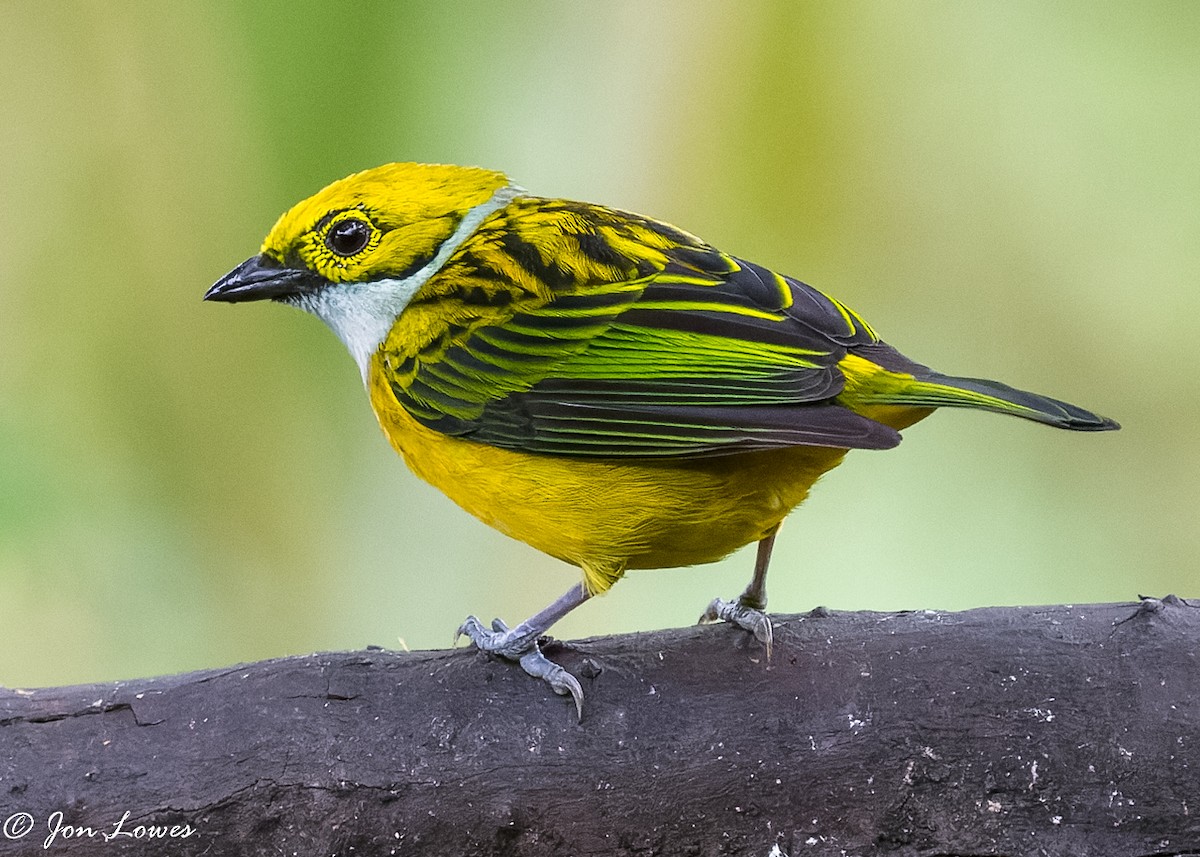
748 610
520 644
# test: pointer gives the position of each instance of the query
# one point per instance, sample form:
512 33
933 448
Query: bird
605 387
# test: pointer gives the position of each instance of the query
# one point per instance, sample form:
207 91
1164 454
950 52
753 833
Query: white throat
361 314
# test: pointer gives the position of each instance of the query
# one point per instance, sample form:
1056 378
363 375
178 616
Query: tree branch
1004 731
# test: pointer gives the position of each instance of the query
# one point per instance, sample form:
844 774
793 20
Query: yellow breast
607 515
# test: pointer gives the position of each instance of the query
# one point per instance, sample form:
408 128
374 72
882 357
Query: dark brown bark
1015 731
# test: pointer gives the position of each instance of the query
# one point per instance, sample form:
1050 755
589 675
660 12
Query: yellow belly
607 515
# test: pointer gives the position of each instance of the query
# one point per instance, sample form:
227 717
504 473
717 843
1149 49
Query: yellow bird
602 386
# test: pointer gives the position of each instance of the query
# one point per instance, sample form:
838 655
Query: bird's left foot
743 615
522 646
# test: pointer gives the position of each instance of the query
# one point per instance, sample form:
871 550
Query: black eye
348 236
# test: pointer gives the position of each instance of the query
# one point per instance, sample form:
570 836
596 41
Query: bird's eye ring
348 236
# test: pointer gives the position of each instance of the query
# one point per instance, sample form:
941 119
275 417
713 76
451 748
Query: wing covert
675 349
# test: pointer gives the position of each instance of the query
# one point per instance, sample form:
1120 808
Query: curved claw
748 618
712 613
471 627
561 682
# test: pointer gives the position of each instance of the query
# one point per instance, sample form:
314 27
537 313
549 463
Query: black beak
260 278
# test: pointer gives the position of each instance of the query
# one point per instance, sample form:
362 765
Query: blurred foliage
1007 190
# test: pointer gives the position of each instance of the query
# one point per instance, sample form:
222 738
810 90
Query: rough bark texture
1051 730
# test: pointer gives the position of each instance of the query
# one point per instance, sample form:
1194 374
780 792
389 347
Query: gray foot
748 618
522 647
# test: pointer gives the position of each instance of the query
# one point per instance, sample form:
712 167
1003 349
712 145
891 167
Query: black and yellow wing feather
569 329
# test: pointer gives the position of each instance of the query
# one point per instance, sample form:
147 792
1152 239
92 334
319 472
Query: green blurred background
1006 190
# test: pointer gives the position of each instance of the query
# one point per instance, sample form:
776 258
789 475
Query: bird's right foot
743 615
749 610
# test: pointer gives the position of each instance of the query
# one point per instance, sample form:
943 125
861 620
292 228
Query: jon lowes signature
19 825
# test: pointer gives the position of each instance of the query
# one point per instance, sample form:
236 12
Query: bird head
355 253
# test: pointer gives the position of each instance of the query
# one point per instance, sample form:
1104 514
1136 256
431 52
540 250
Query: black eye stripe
347 237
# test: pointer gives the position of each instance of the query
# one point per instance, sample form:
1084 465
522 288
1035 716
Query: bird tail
945 391
921 387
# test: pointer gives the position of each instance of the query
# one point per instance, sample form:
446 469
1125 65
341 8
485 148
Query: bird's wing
688 352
